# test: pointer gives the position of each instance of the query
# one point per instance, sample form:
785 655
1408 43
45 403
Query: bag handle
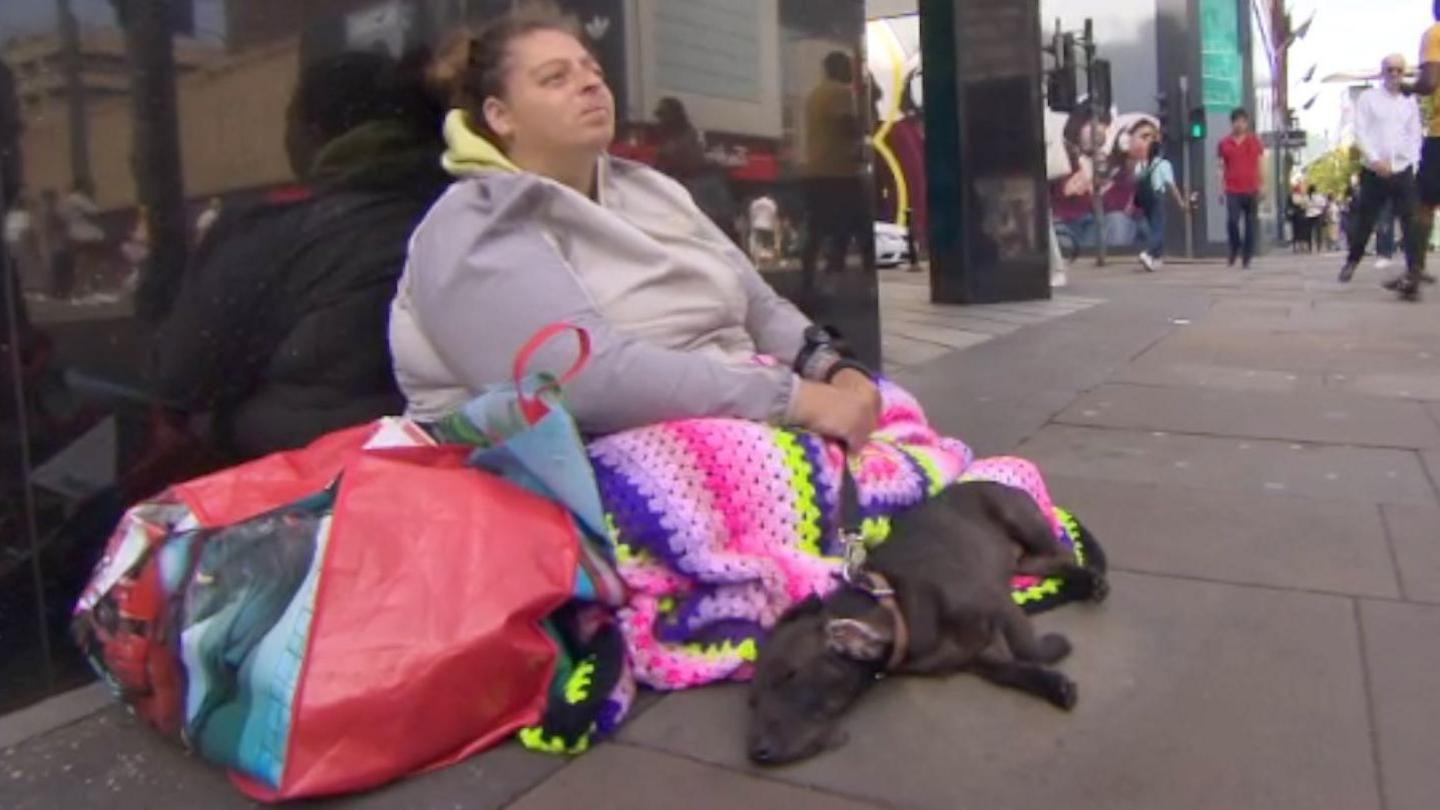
530 403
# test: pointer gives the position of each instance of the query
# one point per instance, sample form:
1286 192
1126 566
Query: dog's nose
762 753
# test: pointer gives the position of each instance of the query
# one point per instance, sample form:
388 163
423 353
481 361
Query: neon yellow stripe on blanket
802 481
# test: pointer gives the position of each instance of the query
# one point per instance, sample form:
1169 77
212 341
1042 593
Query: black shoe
1347 272
1428 278
1408 289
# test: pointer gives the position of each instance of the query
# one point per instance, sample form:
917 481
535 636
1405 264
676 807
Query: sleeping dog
933 599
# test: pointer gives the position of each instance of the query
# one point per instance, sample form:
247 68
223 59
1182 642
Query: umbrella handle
530 403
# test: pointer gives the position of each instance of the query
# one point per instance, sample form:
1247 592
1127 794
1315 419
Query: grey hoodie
676 313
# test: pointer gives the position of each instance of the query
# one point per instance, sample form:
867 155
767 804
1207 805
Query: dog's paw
1099 587
1064 694
1053 648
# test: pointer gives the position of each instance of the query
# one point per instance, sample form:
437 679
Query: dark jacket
281 327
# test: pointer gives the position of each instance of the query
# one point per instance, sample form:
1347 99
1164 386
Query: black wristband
826 354
846 364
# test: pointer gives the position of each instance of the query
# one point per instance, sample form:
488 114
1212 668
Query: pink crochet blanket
721 525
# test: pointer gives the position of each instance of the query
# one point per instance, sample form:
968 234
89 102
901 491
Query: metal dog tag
855 554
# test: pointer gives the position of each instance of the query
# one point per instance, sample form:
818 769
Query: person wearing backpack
1155 179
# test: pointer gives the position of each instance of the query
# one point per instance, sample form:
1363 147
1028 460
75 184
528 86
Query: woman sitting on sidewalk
546 227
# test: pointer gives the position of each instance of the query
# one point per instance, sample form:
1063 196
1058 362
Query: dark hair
341 92
671 115
1239 112
838 66
1081 116
471 67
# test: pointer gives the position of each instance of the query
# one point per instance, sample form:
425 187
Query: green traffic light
1197 131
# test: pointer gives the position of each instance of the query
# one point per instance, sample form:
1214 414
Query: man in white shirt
1387 131
764 215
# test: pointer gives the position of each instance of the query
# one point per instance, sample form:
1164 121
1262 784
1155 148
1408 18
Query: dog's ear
856 639
809 606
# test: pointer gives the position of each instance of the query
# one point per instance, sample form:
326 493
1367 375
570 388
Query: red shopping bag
426 646
406 637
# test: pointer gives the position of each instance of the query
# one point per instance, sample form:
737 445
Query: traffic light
1100 89
1162 105
1062 91
1197 124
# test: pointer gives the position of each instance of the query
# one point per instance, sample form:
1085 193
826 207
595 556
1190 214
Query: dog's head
816 663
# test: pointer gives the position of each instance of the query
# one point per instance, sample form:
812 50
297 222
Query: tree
1331 172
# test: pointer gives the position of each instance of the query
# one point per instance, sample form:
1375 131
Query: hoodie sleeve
484 278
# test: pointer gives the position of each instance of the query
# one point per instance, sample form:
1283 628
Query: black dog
933 599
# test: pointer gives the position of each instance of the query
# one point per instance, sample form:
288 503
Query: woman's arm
480 292
1180 198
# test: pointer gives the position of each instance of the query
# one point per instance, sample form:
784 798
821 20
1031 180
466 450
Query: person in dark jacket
280 328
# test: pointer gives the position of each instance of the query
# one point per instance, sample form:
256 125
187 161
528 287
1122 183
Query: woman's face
1140 141
556 98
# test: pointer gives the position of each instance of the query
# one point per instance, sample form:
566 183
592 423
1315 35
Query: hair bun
445 75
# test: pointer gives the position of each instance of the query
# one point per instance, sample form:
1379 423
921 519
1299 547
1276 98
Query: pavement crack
1367 682
1390 547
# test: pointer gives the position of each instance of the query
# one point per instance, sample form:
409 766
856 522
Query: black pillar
155 162
985 151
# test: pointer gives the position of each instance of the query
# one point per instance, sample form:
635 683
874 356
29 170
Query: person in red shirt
1240 153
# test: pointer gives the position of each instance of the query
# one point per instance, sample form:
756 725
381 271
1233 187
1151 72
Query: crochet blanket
721 525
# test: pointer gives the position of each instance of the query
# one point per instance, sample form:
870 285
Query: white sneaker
1059 279
1382 263
1147 262
1157 264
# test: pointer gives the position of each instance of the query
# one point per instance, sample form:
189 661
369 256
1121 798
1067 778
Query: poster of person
1073 142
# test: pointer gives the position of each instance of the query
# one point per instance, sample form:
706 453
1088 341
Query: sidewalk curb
51 714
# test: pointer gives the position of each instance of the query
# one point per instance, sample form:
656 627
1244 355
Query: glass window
207 205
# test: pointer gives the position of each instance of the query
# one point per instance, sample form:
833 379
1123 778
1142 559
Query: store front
131 142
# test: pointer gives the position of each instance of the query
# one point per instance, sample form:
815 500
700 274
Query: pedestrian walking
1428 177
1240 154
1315 204
1387 132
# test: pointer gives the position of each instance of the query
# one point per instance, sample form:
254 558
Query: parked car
892 245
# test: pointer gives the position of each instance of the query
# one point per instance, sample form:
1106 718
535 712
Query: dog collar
877 587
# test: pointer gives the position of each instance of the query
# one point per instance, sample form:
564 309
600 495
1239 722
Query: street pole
1097 142
1185 170
154 105
70 69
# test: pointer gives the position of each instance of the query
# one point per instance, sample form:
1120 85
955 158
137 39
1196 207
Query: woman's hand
860 384
837 412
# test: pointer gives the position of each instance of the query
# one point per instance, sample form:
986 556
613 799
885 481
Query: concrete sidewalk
1257 451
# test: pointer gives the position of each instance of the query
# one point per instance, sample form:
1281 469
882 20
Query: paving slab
901 351
1225 378
1414 533
1393 384
1404 663
992 424
1360 475
949 337
52 713
956 320
1281 541
1330 417
1432 464
111 762
1349 352
627 778
1192 695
